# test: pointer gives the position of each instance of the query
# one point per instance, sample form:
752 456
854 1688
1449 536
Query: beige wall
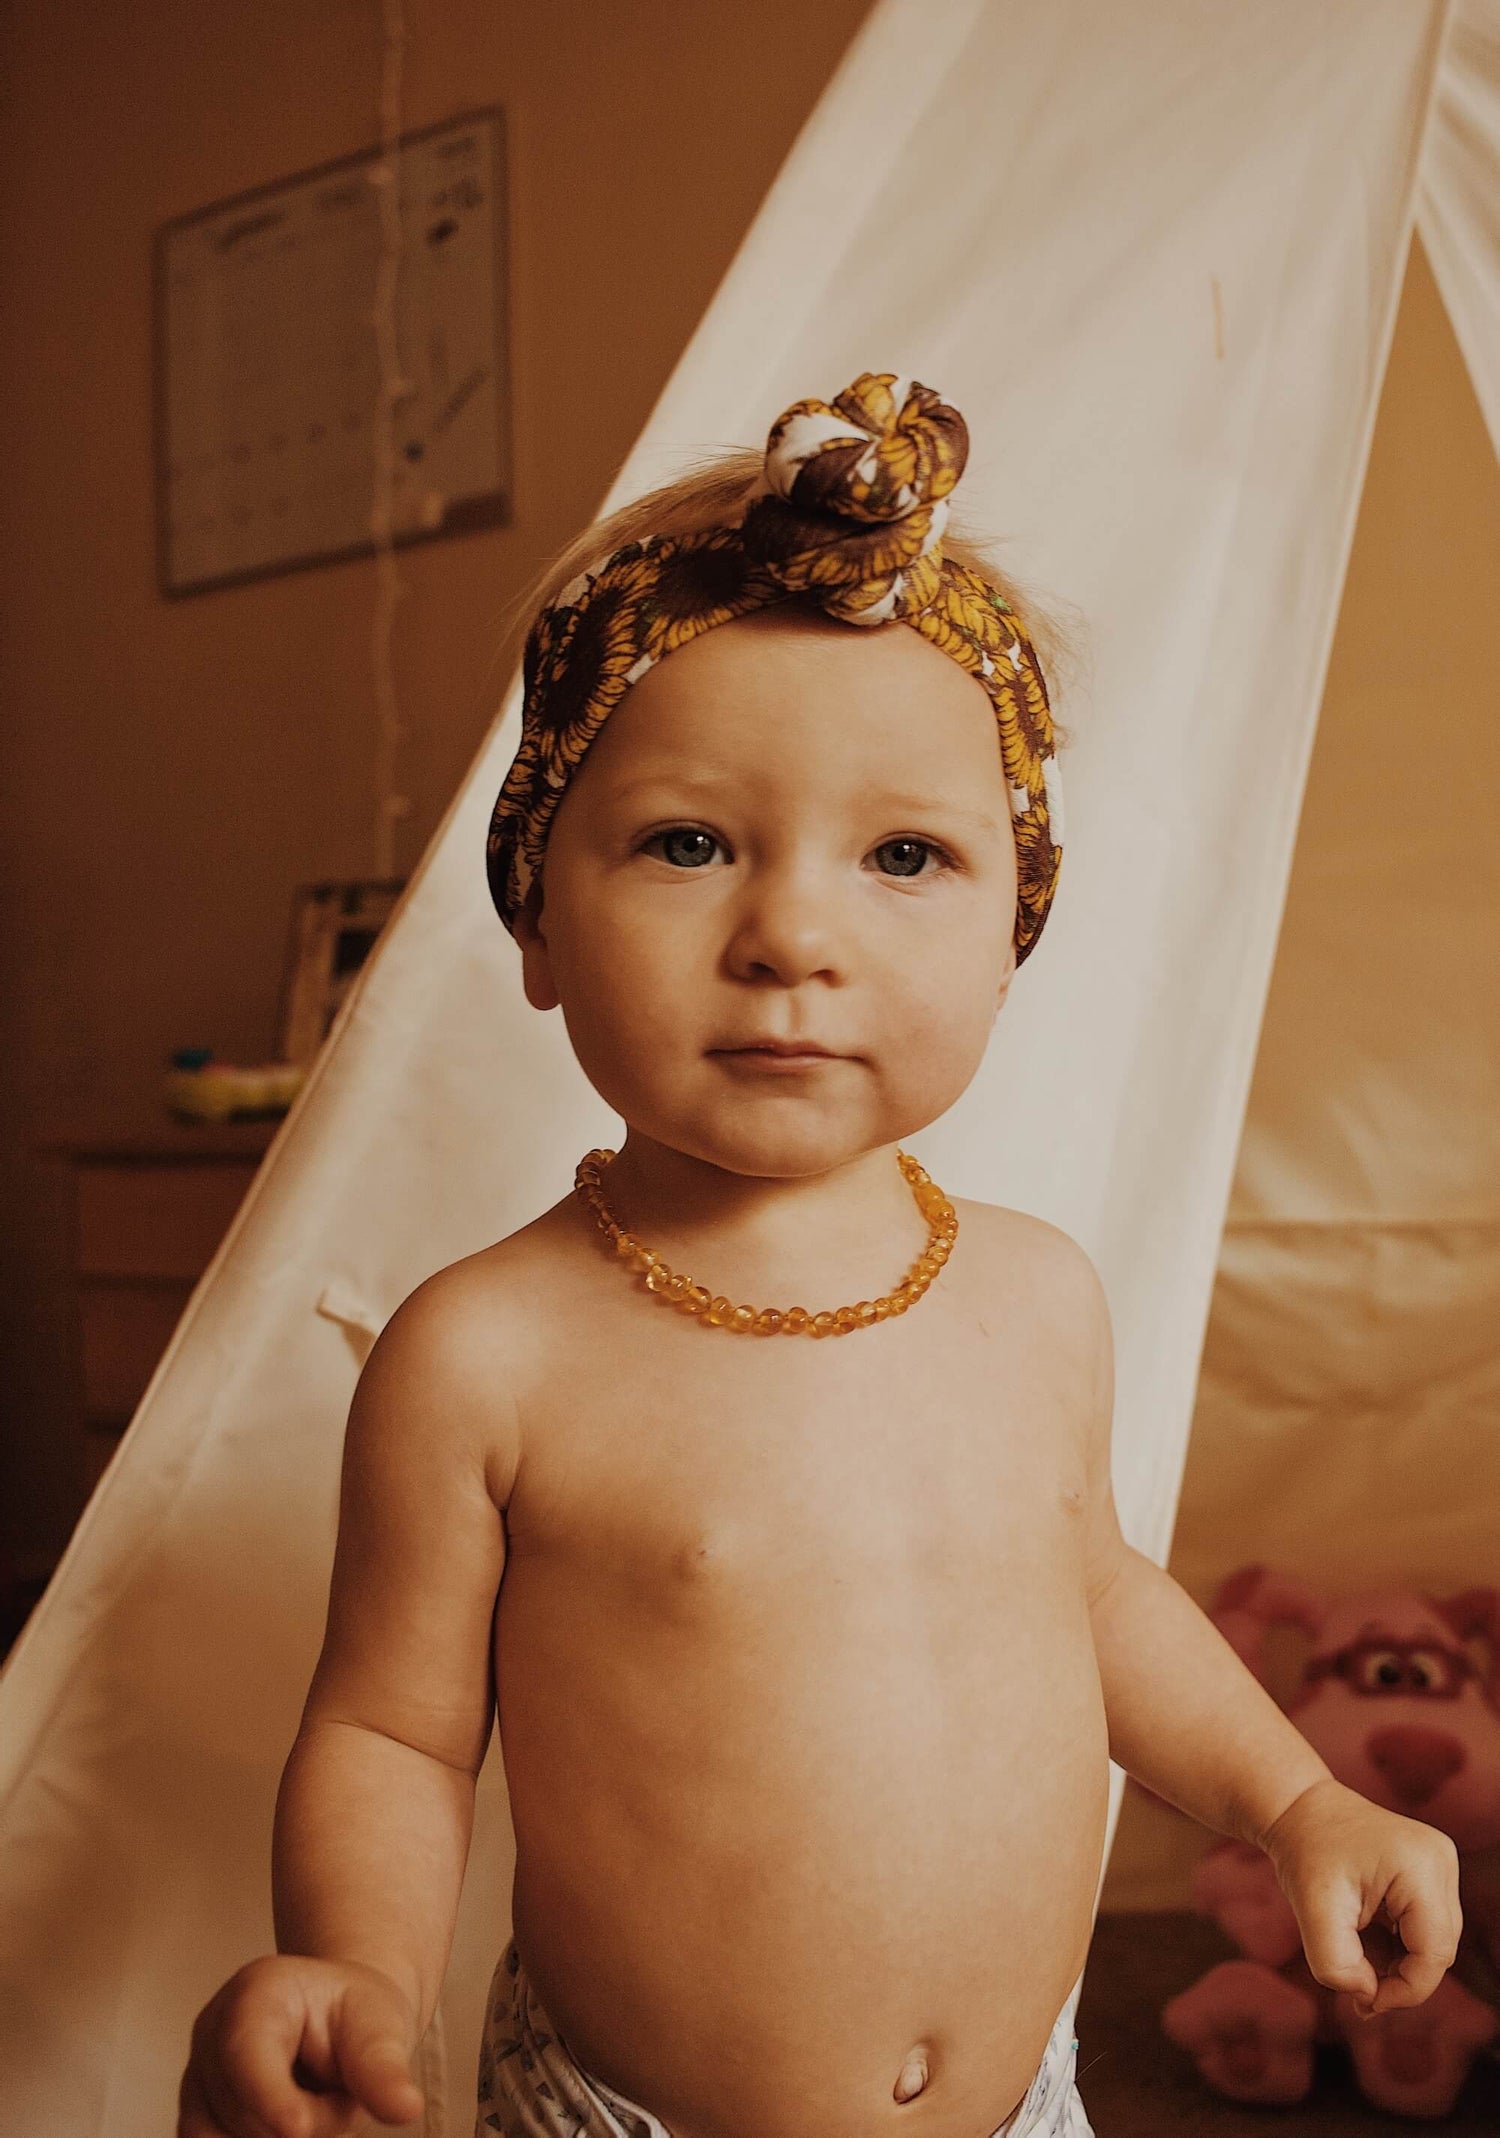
173 769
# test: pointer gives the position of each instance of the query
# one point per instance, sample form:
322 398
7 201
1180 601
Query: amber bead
797 1320
658 1277
864 1313
721 1310
697 1299
742 1318
823 1324
767 1322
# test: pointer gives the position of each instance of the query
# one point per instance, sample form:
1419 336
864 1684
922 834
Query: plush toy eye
1426 1669
1380 1671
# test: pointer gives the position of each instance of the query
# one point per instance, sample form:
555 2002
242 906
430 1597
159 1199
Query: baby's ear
536 965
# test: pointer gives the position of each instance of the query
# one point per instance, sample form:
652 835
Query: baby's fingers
374 2066
1424 1910
1329 1921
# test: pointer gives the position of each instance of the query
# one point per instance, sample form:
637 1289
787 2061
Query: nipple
913 2074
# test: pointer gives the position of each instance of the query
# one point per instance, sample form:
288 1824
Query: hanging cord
391 805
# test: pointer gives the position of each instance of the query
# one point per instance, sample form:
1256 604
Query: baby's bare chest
684 1471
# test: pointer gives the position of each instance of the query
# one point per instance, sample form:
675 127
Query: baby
817 1628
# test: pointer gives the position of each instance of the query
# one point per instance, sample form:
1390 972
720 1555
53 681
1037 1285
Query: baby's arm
375 1810
1187 1718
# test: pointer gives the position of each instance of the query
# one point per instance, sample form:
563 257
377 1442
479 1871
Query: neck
856 1221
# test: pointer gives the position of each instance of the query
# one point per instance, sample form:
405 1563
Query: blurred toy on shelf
199 1087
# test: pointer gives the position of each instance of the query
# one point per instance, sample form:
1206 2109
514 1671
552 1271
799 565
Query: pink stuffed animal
1395 1700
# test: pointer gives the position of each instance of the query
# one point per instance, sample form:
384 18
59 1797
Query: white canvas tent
1153 251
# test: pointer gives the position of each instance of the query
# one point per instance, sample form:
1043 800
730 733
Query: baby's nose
1416 1762
788 924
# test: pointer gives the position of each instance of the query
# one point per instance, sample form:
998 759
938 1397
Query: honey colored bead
678 1285
767 1322
742 1318
624 1245
883 1308
864 1313
846 1319
720 1310
658 1277
697 1299
797 1320
823 1325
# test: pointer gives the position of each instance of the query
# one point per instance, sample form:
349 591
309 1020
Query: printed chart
268 374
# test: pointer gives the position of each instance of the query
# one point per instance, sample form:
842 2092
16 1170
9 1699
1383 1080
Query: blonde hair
713 491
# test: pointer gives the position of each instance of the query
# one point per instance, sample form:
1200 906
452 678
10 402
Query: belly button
913 2074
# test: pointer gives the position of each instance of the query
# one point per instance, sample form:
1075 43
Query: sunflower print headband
849 512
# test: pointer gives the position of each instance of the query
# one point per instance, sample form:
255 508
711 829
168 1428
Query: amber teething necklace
680 1290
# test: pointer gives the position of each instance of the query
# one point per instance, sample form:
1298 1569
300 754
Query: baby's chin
773 1139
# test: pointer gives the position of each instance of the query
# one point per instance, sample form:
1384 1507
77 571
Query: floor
1135 2084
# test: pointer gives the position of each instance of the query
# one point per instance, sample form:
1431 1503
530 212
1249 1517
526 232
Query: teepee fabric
1153 253
1458 210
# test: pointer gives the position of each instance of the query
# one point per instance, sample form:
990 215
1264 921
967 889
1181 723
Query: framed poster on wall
267 361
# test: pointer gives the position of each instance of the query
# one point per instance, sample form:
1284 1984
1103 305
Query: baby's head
830 816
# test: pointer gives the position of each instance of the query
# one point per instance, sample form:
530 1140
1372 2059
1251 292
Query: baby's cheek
932 1042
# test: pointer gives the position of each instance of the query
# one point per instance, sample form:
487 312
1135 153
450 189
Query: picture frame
334 927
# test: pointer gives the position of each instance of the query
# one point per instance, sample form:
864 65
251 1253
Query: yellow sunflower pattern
851 515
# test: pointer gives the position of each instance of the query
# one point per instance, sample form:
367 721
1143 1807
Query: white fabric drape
1458 210
1153 254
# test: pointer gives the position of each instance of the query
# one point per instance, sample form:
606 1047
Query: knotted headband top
849 512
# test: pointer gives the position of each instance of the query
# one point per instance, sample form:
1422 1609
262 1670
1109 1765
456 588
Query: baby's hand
1347 1867
292 2047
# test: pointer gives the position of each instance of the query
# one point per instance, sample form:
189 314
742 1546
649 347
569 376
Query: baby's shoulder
455 1368
1034 1257
487 1302
503 1313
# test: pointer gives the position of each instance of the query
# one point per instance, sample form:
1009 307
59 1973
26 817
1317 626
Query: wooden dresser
149 1211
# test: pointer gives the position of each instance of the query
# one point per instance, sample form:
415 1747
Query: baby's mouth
780 1049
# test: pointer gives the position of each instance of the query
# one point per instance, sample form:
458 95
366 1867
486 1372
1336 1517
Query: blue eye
912 853
686 854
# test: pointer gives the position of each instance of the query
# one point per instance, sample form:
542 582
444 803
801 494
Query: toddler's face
790 828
